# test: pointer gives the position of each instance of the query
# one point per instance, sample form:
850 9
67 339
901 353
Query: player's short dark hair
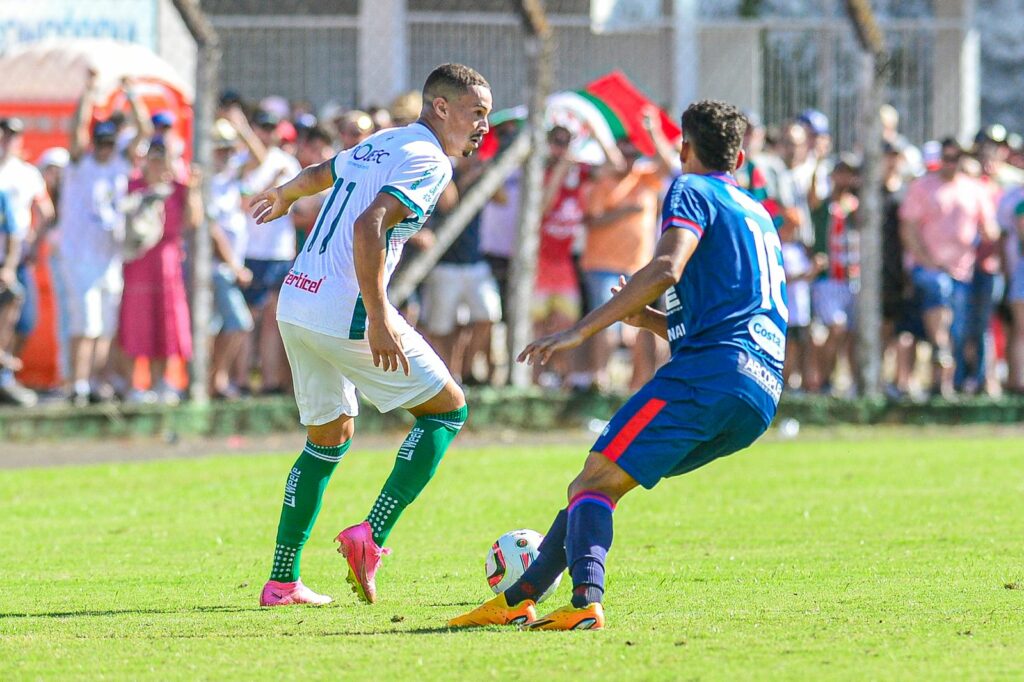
715 130
451 81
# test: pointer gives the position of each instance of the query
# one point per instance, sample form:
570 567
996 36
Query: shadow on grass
440 630
123 612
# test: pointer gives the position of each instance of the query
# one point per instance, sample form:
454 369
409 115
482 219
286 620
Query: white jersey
321 291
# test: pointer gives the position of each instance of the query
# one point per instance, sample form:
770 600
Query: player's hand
540 351
269 205
386 347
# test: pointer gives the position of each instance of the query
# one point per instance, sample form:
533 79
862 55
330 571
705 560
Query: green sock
302 495
415 465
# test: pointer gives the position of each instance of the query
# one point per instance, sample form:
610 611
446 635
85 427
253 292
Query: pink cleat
364 557
285 594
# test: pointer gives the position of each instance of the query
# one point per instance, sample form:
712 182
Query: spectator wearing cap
92 229
943 217
272 247
154 316
229 230
816 170
33 211
163 127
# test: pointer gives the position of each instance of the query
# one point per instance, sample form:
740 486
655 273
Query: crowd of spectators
120 207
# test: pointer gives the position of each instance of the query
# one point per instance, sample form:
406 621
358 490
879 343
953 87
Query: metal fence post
205 105
523 271
869 215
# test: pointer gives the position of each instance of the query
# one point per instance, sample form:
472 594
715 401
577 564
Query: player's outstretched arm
673 252
273 203
648 318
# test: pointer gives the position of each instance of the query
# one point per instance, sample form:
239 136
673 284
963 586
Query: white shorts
93 299
833 302
327 370
451 285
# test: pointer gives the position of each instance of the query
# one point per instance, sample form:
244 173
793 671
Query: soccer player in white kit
341 333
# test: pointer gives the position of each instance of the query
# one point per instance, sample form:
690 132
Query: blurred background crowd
117 211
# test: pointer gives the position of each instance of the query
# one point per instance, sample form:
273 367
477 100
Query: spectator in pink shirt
943 218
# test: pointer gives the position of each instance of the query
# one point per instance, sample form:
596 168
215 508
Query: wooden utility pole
539 48
204 109
873 64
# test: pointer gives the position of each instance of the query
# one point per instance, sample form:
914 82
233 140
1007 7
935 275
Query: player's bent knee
332 433
448 399
602 475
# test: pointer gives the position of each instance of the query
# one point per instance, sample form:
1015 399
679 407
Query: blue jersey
727 314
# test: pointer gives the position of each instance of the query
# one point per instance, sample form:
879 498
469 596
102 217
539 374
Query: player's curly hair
451 80
715 130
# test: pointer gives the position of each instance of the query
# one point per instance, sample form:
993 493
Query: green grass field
875 557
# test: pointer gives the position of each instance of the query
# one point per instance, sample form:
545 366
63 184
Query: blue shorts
267 277
938 289
230 312
29 316
671 427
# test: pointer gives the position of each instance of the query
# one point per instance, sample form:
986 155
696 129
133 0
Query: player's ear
440 105
740 158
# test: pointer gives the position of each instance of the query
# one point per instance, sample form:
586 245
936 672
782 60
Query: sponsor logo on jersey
302 282
672 300
425 176
366 152
768 336
765 378
676 332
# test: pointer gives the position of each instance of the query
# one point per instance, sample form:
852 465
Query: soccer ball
509 557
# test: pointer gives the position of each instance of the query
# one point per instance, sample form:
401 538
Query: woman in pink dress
154 321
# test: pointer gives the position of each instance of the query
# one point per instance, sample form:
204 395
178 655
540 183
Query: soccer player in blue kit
719 263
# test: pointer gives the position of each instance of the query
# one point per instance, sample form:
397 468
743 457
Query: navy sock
587 541
550 563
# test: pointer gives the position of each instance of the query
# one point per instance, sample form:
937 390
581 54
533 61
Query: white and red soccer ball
509 557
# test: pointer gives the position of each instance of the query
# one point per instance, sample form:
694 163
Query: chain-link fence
816 67
793 64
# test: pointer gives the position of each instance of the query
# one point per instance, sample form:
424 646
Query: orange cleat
497 612
590 617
